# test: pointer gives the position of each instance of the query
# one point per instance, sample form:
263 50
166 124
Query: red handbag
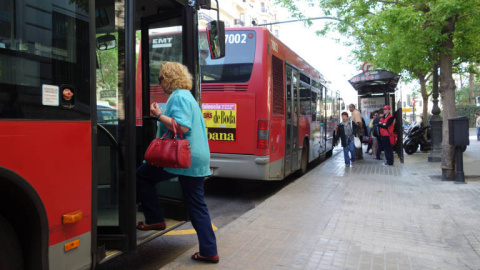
168 152
393 138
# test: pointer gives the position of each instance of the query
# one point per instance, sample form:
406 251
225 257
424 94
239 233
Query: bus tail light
262 136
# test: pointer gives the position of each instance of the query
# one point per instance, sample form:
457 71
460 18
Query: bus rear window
236 66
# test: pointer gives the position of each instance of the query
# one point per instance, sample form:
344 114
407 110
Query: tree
410 37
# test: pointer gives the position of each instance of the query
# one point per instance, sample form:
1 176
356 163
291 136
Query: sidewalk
366 217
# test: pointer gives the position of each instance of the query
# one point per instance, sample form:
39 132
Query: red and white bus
267 111
67 171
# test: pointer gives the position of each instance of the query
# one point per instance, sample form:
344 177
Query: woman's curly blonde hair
176 75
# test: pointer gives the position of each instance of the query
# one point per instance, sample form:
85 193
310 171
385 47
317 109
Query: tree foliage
409 37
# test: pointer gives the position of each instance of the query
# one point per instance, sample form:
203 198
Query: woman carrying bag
181 106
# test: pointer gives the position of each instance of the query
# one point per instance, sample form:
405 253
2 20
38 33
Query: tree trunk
447 93
471 81
423 88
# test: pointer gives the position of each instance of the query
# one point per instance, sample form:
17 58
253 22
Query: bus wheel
304 161
11 253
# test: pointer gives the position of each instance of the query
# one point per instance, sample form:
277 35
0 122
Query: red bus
67 171
267 111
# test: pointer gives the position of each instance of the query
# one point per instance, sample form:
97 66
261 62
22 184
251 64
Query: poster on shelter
369 105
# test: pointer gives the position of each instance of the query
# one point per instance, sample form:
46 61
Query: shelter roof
374 81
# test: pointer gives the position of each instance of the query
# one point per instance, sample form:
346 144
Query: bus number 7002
235 38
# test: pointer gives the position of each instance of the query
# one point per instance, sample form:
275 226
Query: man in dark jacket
376 133
346 131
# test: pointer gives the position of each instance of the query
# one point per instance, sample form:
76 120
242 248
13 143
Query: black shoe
386 164
378 159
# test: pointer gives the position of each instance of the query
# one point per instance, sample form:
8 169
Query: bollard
460 177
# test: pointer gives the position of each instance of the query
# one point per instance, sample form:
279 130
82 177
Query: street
227 199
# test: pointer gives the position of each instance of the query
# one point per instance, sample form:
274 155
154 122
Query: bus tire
11 256
304 160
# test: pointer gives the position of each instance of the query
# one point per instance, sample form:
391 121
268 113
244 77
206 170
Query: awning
375 82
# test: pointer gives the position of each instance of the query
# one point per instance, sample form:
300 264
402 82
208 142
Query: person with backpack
386 128
378 148
371 146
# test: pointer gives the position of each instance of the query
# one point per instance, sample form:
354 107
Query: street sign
408 109
367 66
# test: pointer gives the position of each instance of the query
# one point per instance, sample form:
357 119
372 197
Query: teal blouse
184 108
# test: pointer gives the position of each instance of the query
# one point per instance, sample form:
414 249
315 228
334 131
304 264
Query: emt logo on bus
162 42
220 121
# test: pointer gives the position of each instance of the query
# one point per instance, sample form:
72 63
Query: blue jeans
379 148
350 147
148 176
478 133
387 147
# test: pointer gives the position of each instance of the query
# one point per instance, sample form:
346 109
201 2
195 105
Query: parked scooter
415 137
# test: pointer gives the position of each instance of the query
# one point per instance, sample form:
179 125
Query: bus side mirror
106 42
216 39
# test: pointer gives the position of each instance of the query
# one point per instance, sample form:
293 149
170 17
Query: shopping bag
357 142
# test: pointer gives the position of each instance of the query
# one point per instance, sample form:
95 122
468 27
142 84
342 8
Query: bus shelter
377 88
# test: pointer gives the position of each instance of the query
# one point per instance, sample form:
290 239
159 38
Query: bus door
292 109
162 40
113 161
122 136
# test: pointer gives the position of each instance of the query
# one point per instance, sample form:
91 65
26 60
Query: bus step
145 236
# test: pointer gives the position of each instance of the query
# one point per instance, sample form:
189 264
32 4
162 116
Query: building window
262 7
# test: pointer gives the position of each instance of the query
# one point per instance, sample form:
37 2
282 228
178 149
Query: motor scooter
415 137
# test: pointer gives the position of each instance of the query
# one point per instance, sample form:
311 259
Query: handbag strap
174 133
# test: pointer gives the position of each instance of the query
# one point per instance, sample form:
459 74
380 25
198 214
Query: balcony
238 22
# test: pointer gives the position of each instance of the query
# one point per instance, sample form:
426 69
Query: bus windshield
165 45
236 66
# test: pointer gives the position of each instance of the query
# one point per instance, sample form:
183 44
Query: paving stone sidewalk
366 217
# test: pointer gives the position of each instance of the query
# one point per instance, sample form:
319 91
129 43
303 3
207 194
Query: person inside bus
386 128
176 80
346 131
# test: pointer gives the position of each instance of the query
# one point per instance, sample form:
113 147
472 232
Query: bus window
44 55
234 67
314 106
305 101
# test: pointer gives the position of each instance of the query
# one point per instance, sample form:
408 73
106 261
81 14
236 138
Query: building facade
238 13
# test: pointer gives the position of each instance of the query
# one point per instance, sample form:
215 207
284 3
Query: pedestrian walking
358 120
177 81
346 131
386 128
477 124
